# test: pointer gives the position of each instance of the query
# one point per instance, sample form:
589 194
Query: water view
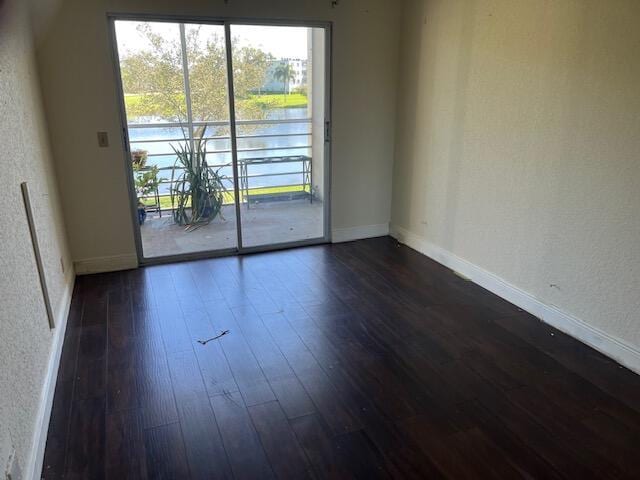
254 141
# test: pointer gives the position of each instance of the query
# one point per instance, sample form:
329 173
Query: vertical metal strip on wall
36 252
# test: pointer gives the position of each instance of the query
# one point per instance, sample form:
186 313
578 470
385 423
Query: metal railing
165 184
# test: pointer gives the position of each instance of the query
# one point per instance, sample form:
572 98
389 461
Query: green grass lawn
280 100
165 201
293 100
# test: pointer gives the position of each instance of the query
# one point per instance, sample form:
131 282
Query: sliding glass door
227 134
280 148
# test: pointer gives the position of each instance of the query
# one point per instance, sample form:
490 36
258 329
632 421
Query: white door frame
227 22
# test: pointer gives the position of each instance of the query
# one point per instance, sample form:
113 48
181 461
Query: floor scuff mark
221 334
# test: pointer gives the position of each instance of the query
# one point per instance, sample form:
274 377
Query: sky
281 42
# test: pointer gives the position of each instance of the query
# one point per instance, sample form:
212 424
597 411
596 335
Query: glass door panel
174 81
279 98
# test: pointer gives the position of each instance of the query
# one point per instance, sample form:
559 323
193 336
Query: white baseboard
615 348
105 264
36 456
349 234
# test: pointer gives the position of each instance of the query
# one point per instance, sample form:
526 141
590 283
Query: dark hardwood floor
360 360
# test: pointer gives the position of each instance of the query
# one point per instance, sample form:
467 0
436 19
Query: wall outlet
103 139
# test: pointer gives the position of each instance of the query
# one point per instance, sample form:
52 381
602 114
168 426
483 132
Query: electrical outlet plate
103 139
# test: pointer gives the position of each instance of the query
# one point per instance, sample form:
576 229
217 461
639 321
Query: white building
273 85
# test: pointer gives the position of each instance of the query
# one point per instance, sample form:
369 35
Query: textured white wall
80 96
24 156
518 144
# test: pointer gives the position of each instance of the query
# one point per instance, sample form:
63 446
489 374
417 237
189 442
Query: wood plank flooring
361 360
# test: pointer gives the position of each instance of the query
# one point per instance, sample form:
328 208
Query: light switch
103 139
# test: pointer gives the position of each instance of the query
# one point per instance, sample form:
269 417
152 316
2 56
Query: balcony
263 223
279 198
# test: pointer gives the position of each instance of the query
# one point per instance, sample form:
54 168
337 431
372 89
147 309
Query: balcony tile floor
263 224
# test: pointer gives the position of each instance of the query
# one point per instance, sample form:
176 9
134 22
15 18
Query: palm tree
285 73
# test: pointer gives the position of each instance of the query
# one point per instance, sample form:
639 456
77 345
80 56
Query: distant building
273 85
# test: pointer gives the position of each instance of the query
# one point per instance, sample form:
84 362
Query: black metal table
245 175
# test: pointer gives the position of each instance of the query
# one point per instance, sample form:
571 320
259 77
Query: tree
285 73
153 78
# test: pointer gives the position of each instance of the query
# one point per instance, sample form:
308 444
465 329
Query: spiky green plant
197 192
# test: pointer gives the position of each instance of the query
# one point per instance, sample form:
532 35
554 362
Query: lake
284 142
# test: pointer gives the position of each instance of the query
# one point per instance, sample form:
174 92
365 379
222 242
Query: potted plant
146 180
197 192
146 183
139 158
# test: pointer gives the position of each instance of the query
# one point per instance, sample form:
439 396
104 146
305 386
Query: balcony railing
253 162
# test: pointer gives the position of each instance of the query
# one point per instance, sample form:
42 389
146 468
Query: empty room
345 239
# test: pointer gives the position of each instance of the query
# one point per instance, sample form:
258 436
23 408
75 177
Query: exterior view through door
212 171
